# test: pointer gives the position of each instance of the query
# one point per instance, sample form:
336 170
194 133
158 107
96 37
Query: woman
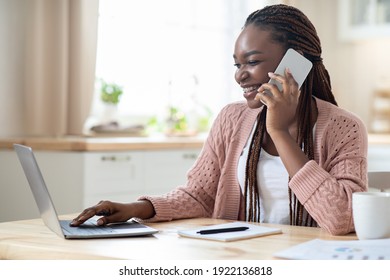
289 157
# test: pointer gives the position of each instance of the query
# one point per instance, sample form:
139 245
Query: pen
221 230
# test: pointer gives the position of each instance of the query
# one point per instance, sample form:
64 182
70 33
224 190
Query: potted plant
110 94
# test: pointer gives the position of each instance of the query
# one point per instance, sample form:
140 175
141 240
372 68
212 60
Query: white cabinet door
116 176
16 200
165 170
378 158
62 172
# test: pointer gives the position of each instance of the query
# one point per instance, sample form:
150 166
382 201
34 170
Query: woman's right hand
114 212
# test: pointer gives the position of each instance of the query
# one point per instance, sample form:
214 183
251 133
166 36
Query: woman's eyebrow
249 53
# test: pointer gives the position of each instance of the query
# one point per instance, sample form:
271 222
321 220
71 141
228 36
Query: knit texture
324 185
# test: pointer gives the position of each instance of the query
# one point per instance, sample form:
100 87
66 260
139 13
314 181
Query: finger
263 96
99 209
114 218
85 215
258 98
291 84
281 80
276 77
273 87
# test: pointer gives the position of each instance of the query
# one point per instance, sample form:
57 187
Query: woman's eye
253 62
250 63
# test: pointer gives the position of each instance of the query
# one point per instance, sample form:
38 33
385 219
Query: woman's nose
241 75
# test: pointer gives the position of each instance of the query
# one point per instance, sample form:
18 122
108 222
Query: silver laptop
49 213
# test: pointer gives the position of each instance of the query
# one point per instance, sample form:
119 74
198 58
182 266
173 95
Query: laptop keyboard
88 228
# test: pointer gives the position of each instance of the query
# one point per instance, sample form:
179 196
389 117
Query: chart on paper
318 249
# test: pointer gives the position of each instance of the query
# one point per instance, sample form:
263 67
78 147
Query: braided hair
292 29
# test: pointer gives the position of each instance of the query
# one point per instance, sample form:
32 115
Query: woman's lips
250 92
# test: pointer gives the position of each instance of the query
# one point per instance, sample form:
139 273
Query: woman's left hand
282 105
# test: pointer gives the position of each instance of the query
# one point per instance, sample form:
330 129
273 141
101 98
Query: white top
272 177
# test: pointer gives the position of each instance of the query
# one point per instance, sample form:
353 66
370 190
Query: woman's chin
254 104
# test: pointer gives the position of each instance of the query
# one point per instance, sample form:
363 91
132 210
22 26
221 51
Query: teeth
250 88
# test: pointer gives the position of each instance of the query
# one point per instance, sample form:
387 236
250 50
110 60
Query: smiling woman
295 160
155 53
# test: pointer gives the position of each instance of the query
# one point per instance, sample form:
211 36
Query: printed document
317 249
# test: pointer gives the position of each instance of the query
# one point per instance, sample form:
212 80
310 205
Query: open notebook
49 213
251 232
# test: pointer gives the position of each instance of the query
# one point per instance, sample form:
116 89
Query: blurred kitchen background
164 55
85 69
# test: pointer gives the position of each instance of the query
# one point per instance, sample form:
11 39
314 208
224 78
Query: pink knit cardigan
324 185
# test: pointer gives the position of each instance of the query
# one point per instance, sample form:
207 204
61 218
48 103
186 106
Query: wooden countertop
105 143
79 143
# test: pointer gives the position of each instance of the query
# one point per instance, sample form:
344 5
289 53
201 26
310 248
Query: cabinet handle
190 156
116 158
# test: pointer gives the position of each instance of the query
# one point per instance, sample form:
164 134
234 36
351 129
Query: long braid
291 28
251 190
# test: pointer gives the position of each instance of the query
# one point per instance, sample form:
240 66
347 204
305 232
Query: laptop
61 227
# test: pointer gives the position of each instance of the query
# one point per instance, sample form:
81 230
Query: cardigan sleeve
325 186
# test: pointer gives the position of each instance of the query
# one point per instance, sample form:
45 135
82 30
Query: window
168 52
364 19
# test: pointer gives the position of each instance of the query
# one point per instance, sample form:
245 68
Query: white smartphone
298 64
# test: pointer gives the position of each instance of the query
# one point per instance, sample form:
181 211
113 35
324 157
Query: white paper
317 249
253 231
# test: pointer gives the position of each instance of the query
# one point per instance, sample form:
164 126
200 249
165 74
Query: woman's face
255 54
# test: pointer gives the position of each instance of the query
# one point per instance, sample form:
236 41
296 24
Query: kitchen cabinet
80 178
63 173
379 157
124 176
378 153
